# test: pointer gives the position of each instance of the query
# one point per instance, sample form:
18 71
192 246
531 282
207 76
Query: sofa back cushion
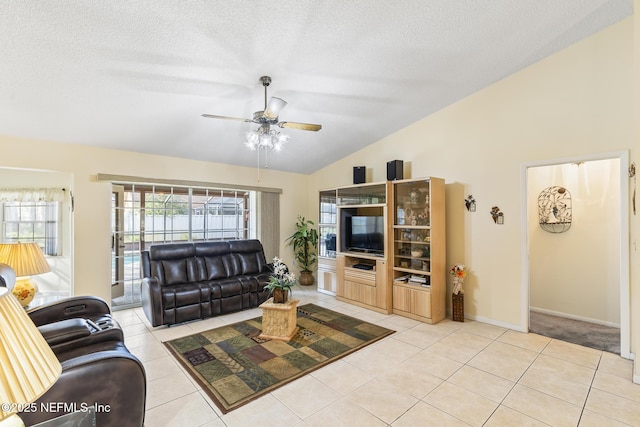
249 256
211 260
172 263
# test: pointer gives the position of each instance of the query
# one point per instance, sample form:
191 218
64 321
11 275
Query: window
143 215
34 221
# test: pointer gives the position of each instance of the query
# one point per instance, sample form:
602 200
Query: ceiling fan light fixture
266 138
275 106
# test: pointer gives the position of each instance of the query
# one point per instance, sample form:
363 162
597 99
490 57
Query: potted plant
281 282
305 246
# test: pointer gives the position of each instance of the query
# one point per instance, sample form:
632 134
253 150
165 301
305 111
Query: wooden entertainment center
383 247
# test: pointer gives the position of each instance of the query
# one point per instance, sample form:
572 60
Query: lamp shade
26 259
28 366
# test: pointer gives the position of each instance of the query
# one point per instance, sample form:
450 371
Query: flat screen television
364 234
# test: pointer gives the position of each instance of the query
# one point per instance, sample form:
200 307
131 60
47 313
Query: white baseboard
574 317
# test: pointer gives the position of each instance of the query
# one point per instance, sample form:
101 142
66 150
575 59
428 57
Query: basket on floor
457 303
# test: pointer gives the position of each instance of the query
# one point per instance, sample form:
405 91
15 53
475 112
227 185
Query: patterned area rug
234 366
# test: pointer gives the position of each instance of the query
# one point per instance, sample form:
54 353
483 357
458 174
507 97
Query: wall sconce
498 217
470 203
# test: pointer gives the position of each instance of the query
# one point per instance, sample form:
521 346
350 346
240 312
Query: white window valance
32 194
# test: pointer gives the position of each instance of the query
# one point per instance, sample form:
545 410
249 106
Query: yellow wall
576 102
91 218
635 220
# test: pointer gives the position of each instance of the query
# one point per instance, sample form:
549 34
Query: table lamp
28 366
27 260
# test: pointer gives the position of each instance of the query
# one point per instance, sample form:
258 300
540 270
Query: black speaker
395 170
359 174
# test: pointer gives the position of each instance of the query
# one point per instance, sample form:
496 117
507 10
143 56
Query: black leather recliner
97 368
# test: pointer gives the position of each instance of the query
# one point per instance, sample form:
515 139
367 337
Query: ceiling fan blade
274 107
212 116
301 126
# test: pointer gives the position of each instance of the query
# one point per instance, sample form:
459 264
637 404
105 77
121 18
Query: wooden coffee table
279 320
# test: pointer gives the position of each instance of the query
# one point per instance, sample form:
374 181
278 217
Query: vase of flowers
459 273
281 282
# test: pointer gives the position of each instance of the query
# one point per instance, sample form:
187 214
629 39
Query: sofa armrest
87 307
151 297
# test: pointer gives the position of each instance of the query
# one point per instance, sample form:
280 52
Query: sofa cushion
249 255
230 287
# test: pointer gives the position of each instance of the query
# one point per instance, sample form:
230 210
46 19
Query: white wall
576 273
576 102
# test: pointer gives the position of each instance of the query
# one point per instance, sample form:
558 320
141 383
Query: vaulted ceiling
137 75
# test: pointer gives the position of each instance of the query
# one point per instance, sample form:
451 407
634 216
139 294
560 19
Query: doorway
578 272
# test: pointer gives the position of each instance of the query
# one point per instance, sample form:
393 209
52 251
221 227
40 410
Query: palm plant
305 246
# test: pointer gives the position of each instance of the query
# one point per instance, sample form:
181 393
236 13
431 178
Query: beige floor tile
615 365
444 327
507 417
161 367
403 322
393 347
382 399
613 406
418 338
475 342
483 329
434 364
413 377
306 396
189 410
573 353
423 414
168 388
562 369
126 317
617 385
135 329
148 352
454 351
542 407
343 413
342 376
593 419
504 360
140 340
464 405
533 342
371 361
483 383
266 411
564 389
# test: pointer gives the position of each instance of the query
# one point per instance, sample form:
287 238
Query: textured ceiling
137 75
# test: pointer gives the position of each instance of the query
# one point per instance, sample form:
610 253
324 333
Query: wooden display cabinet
361 262
417 264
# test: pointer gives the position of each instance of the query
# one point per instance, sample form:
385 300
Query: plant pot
306 278
280 296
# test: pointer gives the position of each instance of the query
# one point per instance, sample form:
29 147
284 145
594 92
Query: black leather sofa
197 280
97 368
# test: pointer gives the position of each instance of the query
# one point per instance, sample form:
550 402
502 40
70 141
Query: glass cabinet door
327 224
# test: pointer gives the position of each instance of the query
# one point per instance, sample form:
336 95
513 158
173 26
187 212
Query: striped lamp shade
28 366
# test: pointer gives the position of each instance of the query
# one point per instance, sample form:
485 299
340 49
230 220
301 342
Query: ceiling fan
269 116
